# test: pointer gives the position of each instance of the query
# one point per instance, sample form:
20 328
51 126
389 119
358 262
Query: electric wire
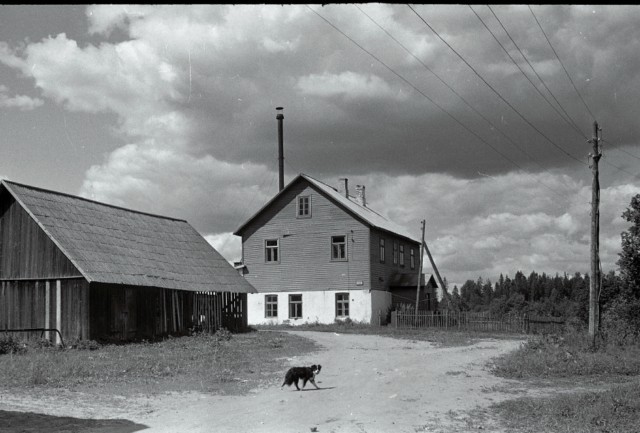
495 91
455 93
564 113
415 88
562 64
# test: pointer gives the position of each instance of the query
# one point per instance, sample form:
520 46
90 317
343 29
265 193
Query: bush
10 344
223 334
621 322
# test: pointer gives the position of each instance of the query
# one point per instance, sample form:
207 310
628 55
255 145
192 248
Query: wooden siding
381 272
128 313
23 305
305 246
25 249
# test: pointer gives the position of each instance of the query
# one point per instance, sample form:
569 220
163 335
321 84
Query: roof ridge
48 191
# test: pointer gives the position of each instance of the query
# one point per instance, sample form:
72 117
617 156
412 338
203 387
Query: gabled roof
363 213
114 245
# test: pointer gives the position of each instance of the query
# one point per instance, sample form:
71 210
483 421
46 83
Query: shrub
223 334
621 322
10 344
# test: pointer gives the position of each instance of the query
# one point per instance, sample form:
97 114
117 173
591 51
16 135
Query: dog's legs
296 384
304 382
314 383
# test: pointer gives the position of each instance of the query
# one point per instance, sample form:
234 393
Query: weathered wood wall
125 313
54 304
25 249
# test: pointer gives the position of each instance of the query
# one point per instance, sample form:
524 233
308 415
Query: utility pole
420 271
594 286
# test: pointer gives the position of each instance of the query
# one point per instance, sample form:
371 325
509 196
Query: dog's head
316 369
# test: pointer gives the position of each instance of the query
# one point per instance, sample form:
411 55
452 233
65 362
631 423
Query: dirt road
368 384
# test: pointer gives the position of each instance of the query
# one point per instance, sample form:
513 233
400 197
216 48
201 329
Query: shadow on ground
29 422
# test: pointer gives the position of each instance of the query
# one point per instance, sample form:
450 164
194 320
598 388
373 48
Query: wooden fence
477 321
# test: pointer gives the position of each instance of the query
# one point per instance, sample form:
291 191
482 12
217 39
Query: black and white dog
306 374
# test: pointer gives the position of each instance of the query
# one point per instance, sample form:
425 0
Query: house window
412 258
271 306
272 251
342 305
382 252
304 206
402 255
339 248
395 252
295 306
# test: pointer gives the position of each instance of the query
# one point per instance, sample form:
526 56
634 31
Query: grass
439 337
205 363
572 361
616 410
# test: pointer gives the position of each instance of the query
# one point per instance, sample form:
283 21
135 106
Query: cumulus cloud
20 102
192 91
349 85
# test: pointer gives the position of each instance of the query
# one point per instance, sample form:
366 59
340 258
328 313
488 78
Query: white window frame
269 249
292 303
345 256
300 207
342 305
272 312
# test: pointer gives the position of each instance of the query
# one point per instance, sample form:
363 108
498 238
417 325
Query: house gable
304 244
26 250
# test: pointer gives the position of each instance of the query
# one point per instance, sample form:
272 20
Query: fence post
394 319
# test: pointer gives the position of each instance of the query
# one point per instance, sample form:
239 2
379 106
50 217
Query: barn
73 268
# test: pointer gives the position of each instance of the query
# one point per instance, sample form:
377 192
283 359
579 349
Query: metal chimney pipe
280 117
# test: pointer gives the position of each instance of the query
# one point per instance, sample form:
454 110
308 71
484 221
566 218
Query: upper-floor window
272 251
402 255
271 306
412 258
395 252
304 206
382 250
339 247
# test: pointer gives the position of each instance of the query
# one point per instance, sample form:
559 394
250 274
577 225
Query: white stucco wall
319 306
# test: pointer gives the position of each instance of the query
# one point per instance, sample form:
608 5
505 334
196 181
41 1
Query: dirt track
369 384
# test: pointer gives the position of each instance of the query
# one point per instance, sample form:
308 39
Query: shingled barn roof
114 245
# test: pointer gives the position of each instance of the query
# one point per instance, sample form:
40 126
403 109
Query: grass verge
439 337
616 410
571 361
205 363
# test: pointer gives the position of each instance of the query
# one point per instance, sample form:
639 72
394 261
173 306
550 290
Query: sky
475 119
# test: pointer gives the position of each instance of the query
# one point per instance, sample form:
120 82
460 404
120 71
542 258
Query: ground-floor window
271 306
342 304
295 306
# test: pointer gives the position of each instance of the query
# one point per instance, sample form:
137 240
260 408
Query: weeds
222 362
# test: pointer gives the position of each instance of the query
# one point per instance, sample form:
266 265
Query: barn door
125 314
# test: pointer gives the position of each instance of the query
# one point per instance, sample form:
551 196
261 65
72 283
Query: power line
451 89
423 94
562 64
570 122
495 91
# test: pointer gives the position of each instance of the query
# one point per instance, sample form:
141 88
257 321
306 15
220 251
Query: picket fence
477 321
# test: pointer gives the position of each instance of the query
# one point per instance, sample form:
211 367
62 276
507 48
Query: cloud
192 91
21 102
348 84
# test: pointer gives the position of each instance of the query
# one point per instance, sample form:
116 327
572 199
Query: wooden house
102 272
317 253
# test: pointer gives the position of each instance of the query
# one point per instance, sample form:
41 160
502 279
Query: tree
629 261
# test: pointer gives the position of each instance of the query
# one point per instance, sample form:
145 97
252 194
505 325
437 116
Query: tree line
565 295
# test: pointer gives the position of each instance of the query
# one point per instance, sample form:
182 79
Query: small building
102 272
316 253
